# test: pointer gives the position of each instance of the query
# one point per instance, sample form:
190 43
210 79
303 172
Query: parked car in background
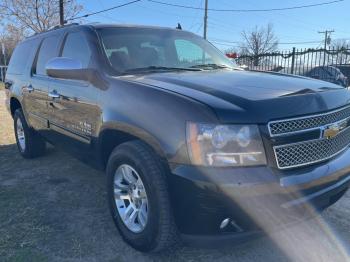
345 69
329 74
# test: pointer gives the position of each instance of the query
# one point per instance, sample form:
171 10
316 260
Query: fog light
224 223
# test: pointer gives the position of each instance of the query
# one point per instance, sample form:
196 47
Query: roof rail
54 28
61 26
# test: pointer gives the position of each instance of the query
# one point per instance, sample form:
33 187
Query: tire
160 232
30 144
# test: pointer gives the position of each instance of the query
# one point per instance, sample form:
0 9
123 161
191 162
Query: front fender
156 116
134 131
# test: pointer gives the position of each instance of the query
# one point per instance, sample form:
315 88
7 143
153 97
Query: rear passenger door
74 112
36 97
18 73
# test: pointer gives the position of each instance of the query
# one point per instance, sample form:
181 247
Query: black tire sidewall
145 240
19 115
35 145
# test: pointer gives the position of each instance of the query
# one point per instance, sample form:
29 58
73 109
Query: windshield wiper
160 68
211 66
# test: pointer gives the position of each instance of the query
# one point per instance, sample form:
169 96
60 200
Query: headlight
225 145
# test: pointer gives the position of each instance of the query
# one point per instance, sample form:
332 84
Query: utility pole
205 19
61 13
326 37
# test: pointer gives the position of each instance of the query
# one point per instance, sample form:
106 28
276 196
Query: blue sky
299 25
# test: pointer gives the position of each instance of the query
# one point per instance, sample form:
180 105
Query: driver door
73 103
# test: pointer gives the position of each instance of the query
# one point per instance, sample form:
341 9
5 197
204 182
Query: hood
243 96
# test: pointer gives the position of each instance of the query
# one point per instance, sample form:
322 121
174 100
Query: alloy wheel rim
21 135
130 198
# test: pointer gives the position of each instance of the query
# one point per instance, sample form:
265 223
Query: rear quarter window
20 57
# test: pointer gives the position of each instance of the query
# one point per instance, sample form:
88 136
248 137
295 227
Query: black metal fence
324 64
2 73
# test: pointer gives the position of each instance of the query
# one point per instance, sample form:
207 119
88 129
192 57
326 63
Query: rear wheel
138 197
30 144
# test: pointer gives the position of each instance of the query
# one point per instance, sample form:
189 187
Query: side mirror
66 68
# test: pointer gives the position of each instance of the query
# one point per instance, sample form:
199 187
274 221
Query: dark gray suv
195 150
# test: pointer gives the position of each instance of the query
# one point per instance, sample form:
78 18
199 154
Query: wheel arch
14 105
114 134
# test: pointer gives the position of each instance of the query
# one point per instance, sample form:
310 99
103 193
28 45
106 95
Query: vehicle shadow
57 206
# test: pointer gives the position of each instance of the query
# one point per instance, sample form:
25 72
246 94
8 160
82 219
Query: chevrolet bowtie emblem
334 129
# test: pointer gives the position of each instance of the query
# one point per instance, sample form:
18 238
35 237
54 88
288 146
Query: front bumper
255 199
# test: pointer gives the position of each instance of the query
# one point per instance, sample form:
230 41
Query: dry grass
54 208
2 87
6 131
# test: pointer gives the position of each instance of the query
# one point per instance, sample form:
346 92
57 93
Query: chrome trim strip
37 117
303 117
316 194
309 141
69 132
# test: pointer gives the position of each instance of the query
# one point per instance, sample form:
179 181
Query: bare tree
342 49
10 36
260 40
36 15
340 44
20 18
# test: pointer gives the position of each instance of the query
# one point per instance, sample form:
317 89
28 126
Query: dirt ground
53 209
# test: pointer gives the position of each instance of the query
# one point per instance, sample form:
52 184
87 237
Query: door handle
29 88
54 94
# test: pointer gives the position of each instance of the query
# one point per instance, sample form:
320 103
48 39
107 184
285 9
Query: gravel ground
53 209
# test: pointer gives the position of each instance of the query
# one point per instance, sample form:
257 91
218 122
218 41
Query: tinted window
129 49
319 71
77 47
190 53
333 71
47 51
19 58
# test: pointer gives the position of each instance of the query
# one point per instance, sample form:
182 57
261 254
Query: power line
196 17
224 44
246 10
326 40
326 36
286 43
105 10
281 43
224 41
300 43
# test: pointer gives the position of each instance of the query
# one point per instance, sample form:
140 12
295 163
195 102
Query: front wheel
138 197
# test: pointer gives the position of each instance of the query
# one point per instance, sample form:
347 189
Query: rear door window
48 50
77 47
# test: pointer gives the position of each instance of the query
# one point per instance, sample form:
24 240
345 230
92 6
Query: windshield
140 49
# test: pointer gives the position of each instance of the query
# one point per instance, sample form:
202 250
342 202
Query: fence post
293 61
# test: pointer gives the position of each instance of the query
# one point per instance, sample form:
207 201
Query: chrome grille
312 151
277 128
